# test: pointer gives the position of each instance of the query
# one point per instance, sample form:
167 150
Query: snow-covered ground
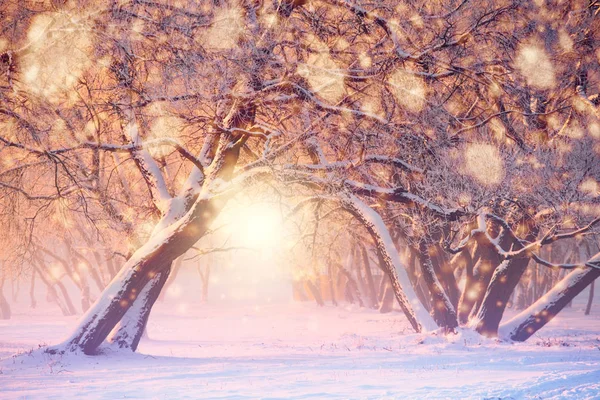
293 350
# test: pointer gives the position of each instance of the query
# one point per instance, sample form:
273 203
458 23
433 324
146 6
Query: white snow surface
298 350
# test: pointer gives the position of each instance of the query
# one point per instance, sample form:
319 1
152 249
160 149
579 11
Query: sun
257 226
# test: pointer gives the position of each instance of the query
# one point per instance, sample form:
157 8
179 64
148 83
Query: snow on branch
528 249
400 195
148 167
185 153
347 164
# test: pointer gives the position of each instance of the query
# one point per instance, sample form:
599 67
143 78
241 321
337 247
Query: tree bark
33 303
588 307
465 302
129 331
351 286
444 273
387 300
330 278
65 305
5 312
528 322
172 276
369 278
151 259
443 311
502 284
390 260
483 270
316 292
110 265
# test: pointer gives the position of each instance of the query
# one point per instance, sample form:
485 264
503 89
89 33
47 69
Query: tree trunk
330 278
483 271
129 331
351 286
528 322
316 292
369 277
443 311
387 300
382 287
466 261
65 305
360 279
412 268
503 283
444 273
588 307
172 276
148 261
4 306
205 278
33 303
110 265
417 316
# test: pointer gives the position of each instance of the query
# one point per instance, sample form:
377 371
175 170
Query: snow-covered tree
437 128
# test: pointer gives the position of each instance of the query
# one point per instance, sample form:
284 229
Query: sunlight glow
321 72
59 54
409 90
259 227
536 66
226 30
483 162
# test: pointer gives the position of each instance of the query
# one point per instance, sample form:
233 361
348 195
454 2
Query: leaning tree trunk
147 262
503 283
412 268
483 271
172 275
443 311
464 261
445 274
173 236
528 322
588 307
129 331
417 316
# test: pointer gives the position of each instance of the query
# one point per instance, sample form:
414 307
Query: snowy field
301 351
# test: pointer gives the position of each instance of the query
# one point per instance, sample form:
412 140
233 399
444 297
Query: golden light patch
565 41
594 129
322 72
59 52
535 65
408 89
484 163
590 186
226 30
464 199
365 61
164 127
